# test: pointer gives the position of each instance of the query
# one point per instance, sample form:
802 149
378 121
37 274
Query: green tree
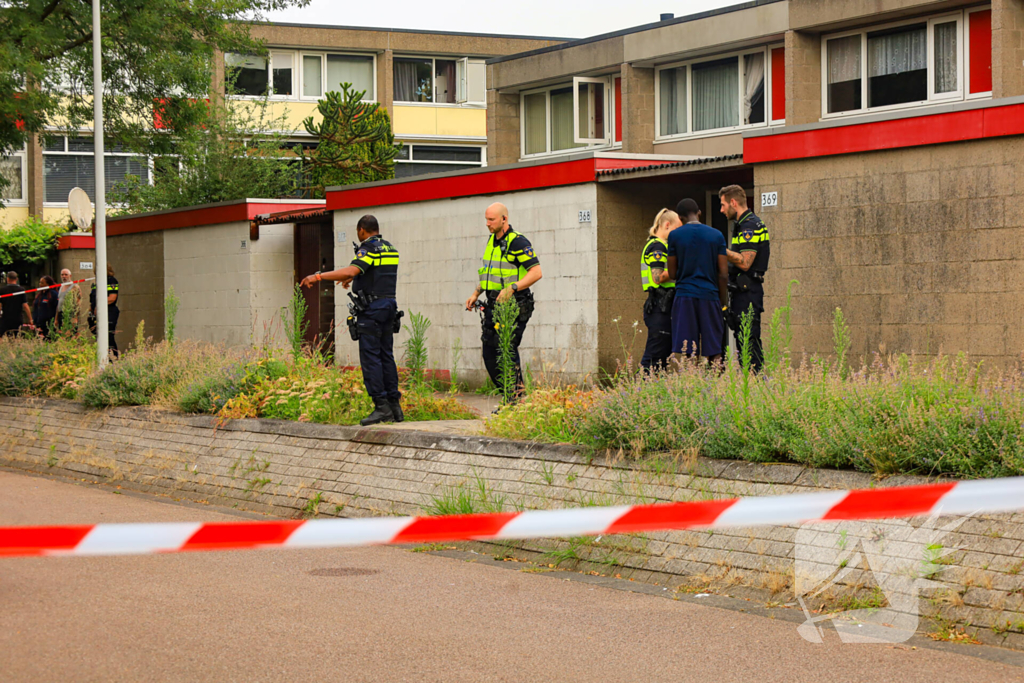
228 155
155 52
356 143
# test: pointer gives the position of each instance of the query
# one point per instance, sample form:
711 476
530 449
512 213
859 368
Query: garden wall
286 468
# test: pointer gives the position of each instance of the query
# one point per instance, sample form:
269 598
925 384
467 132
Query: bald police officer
509 268
373 276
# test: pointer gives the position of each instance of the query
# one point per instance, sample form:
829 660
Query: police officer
509 268
748 262
654 279
373 275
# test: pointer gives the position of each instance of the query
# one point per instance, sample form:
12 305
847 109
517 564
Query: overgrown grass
198 377
896 414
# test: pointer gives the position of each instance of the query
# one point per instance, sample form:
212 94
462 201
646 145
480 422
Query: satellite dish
80 208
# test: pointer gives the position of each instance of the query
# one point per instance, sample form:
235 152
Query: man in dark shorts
12 306
697 262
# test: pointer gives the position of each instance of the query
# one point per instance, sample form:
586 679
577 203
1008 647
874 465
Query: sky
566 19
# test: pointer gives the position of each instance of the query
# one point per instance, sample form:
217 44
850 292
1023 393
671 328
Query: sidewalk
480 403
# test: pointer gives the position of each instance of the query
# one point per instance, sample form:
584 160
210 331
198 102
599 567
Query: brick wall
441 243
278 467
920 248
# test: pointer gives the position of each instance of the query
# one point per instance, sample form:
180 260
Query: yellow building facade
432 84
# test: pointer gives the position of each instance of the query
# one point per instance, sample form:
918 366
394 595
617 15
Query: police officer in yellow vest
660 290
509 268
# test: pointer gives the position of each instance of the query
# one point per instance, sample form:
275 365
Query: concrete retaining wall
285 468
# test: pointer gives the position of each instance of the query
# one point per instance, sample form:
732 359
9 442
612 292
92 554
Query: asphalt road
380 614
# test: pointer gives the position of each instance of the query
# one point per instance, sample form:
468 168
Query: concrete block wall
271 282
138 262
920 247
208 267
279 468
441 244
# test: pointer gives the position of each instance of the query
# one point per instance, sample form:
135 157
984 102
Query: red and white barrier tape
40 289
959 498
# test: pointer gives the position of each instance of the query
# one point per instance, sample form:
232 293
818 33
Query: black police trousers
741 303
376 349
490 343
659 340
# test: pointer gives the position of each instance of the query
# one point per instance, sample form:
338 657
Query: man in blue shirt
698 264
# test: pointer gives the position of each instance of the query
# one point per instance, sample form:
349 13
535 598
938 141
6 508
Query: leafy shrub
157 374
211 393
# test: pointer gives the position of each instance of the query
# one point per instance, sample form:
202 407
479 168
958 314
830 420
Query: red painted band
932 129
38 539
489 182
460 528
905 501
671 516
224 535
76 242
190 218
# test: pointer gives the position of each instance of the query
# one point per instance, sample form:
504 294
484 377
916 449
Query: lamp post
100 232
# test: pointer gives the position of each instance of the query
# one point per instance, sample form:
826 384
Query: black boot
381 413
396 410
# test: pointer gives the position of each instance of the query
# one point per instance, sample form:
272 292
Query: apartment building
882 141
432 84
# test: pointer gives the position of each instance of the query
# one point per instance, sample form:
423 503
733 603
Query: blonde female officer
660 291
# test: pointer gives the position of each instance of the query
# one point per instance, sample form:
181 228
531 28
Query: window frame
23 200
605 81
468 104
609 143
966 32
148 162
765 50
298 80
411 146
930 21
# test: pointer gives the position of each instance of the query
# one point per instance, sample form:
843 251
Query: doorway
314 251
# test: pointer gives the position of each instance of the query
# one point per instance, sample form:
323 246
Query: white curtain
406 81
355 70
561 120
844 59
897 53
753 86
945 57
716 100
672 101
535 114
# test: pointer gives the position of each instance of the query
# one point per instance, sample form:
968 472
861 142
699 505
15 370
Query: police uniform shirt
112 288
751 234
377 261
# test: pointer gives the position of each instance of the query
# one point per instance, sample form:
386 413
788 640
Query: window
68 163
903 64
245 75
717 95
13 169
420 159
440 81
282 68
568 117
299 76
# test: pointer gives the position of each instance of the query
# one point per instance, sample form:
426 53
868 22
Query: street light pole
100 232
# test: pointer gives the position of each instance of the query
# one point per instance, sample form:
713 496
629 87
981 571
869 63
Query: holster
659 299
745 281
396 326
353 329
